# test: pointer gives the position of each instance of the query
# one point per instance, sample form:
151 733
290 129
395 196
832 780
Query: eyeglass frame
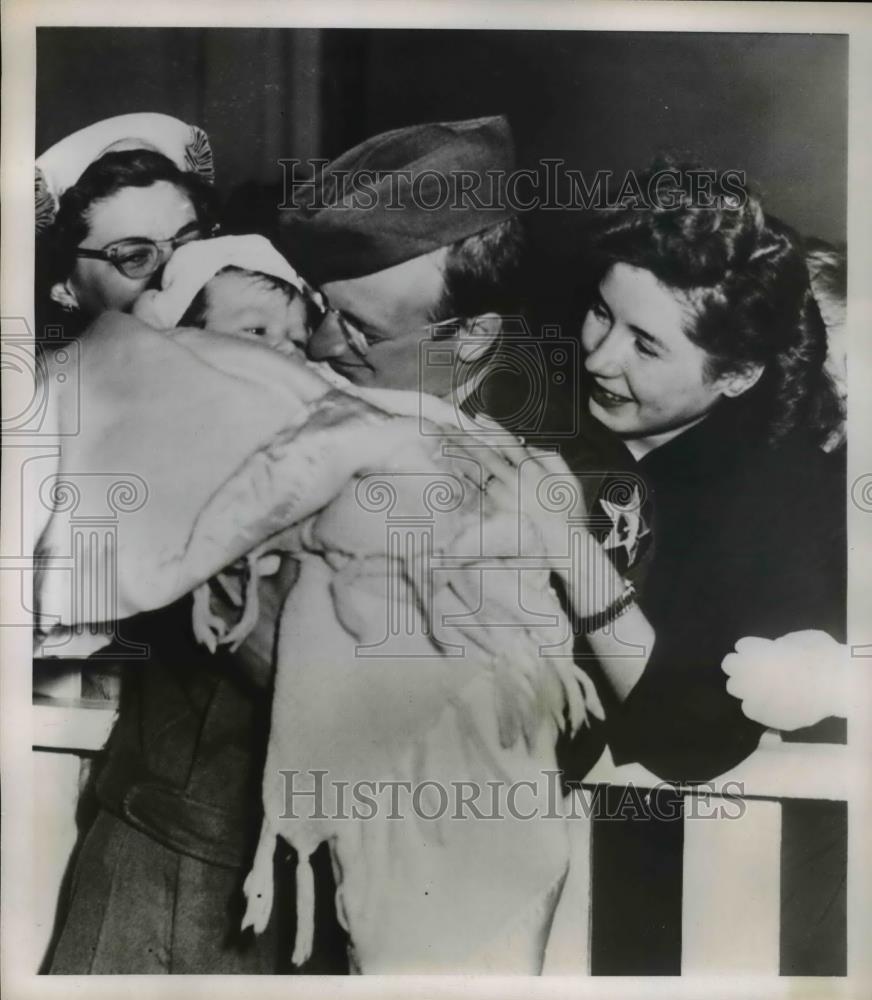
355 338
111 250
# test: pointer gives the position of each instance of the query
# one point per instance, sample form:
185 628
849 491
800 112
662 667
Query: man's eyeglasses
355 338
141 258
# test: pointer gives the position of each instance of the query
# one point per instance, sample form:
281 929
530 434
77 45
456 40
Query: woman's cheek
589 329
93 286
112 291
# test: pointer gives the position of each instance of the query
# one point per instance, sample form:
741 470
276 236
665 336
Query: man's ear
64 296
738 382
477 336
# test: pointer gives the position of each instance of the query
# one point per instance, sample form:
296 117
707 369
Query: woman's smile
607 397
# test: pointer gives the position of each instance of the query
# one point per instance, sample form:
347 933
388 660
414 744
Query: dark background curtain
772 105
256 92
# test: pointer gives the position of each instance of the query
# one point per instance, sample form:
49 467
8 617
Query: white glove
789 682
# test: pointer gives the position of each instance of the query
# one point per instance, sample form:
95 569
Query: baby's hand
790 682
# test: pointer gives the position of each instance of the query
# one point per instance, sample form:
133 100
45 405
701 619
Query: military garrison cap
398 195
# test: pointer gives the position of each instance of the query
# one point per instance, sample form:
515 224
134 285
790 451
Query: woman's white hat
64 163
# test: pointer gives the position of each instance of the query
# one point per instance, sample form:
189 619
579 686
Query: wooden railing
731 865
731 869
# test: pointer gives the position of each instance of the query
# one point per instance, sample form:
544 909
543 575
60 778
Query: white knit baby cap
193 264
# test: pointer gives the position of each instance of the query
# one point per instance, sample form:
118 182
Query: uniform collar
723 438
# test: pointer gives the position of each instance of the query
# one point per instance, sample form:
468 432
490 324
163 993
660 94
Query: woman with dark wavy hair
704 356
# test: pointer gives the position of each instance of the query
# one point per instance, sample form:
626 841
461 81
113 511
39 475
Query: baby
237 285
243 287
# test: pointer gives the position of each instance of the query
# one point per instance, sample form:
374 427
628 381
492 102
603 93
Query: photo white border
19 21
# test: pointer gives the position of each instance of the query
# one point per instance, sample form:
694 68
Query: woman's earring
64 297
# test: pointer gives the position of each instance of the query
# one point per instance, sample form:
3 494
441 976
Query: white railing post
731 893
731 890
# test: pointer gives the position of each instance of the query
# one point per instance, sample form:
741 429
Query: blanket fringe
305 910
258 887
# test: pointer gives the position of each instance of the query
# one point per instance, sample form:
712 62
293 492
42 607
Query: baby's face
246 305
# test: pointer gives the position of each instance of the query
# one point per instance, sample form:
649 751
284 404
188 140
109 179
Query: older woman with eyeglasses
114 200
157 881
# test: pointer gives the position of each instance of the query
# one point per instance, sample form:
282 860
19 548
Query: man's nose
327 340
